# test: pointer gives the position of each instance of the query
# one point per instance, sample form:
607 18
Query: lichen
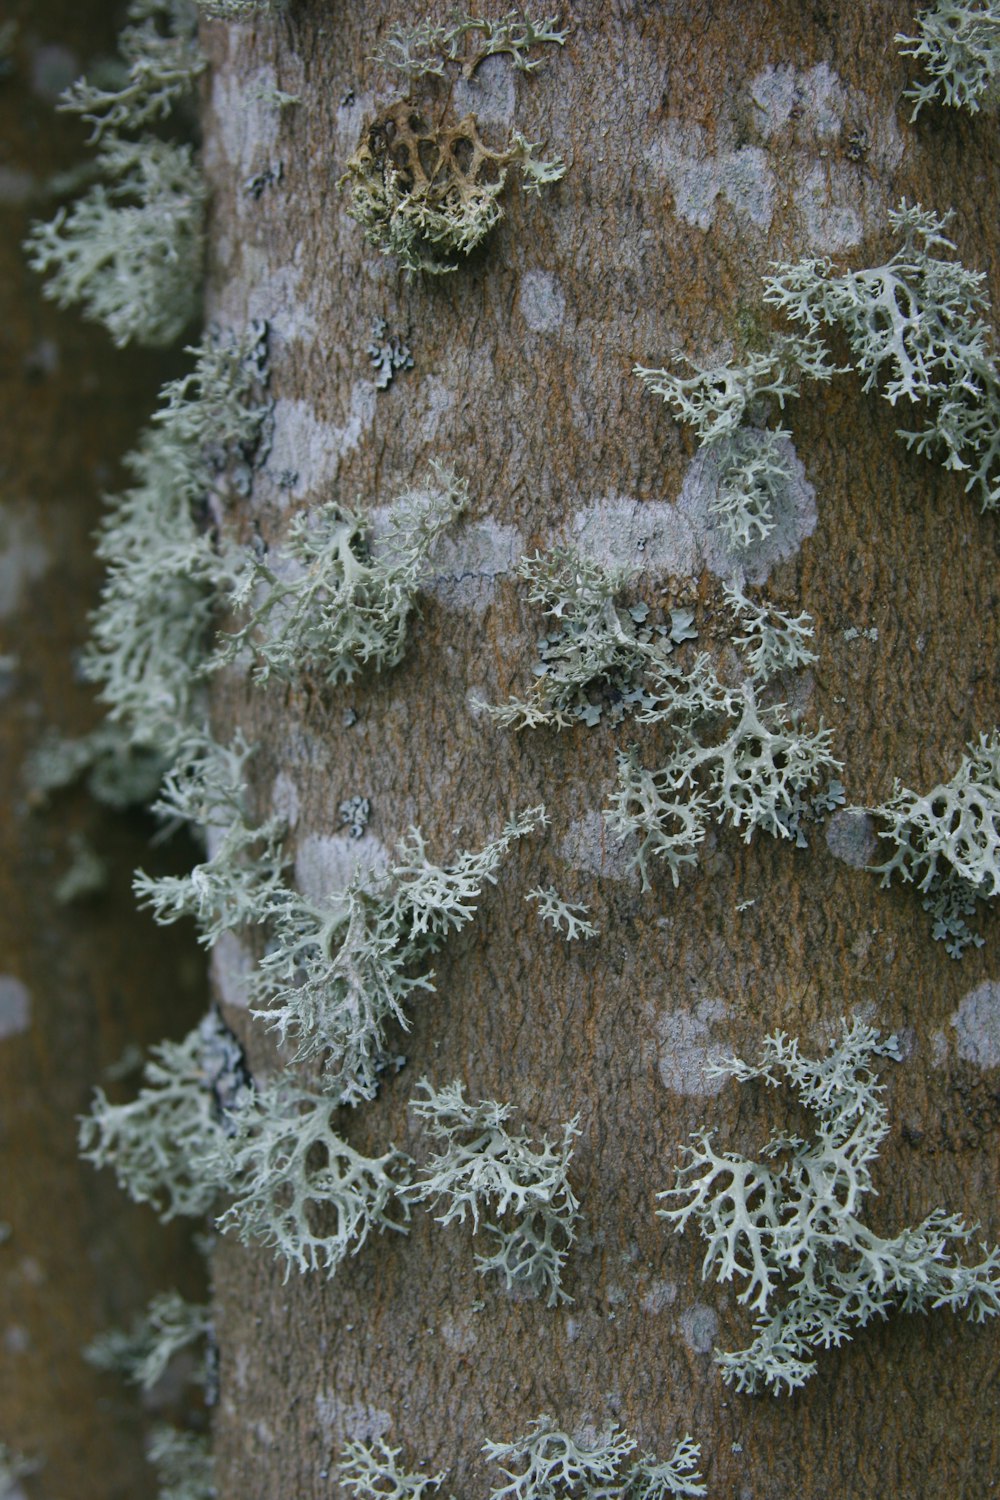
427 48
958 43
788 1226
947 842
371 1471
552 1466
429 193
169 1326
183 1464
485 1169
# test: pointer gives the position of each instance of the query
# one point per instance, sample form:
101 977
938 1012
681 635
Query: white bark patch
698 1328
23 556
458 1332
325 863
850 836
685 1048
285 798
340 1420
542 301
699 175
15 1006
794 513
232 968
489 94
649 536
468 563
659 1295
352 115
588 845
816 93
977 1025
247 123
436 400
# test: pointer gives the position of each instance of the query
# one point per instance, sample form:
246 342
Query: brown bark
80 982
522 382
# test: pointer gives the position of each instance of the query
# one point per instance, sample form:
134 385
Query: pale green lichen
116 771
161 62
241 880
522 1190
85 876
550 1465
917 332
372 1471
788 1226
149 634
596 659
298 1187
427 48
738 755
130 250
338 600
164 1145
958 43
567 917
183 1464
169 1326
428 193
339 970
13 1468
947 842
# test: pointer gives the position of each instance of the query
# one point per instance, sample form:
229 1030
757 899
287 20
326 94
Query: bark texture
78 983
704 141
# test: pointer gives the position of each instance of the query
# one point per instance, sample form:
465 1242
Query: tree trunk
703 141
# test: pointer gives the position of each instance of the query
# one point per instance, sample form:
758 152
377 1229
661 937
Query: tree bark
703 142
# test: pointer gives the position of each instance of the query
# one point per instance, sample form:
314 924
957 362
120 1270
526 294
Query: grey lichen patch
469 563
340 1419
650 536
587 845
659 1294
783 94
489 94
793 512
326 863
285 798
246 124
850 836
700 173
459 1332
23 556
542 301
308 449
685 1048
699 1324
977 1025
232 969
15 1006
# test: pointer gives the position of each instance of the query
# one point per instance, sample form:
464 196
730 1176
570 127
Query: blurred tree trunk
80 982
703 142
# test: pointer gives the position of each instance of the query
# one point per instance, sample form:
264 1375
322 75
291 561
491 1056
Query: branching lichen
427 48
484 1169
183 1464
567 917
428 193
738 756
168 1326
340 970
917 331
129 251
371 1471
299 1188
338 600
149 633
549 1465
116 771
958 43
594 661
163 1144
947 842
242 878
161 62
788 1226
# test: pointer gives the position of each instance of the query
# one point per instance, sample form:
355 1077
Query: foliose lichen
485 1169
788 1226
